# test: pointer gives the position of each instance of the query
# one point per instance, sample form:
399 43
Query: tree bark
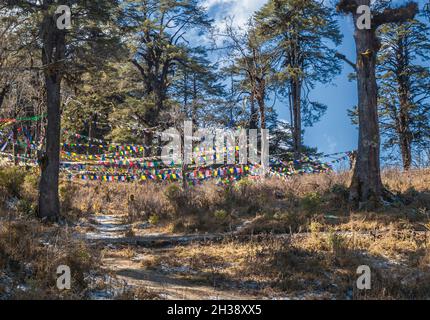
15 144
148 143
366 186
53 53
254 115
366 190
405 135
260 97
297 115
403 129
3 93
156 83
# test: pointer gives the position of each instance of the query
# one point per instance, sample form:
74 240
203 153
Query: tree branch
347 6
344 58
138 66
401 14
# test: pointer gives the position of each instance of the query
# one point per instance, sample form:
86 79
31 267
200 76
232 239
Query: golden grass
30 254
325 244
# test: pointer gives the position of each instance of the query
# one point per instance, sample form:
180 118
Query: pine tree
404 86
197 87
64 54
302 30
254 62
11 58
158 44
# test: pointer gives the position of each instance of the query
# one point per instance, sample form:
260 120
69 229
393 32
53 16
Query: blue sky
334 132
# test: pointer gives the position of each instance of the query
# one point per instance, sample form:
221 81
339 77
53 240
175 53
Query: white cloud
331 145
241 10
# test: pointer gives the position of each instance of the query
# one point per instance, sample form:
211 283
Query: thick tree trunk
297 121
53 53
366 187
49 203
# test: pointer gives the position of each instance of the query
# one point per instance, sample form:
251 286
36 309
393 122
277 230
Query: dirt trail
167 284
129 259
110 232
107 227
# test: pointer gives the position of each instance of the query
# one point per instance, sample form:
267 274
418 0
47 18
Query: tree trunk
3 93
15 147
184 165
160 97
406 153
405 136
53 52
297 115
261 93
366 186
49 203
194 103
254 116
148 143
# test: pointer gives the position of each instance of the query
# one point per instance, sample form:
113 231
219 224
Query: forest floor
133 264
210 266
271 239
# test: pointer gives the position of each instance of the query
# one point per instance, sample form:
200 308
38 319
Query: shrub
68 199
154 219
311 202
149 199
26 207
335 242
30 262
315 227
11 179
179 200
243 185
30 186
220 214
341 190
173 192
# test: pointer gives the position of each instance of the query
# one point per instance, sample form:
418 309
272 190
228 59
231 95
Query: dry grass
280 205
277 205
319 265
322 245
327 243
30 254
328 240
138 293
